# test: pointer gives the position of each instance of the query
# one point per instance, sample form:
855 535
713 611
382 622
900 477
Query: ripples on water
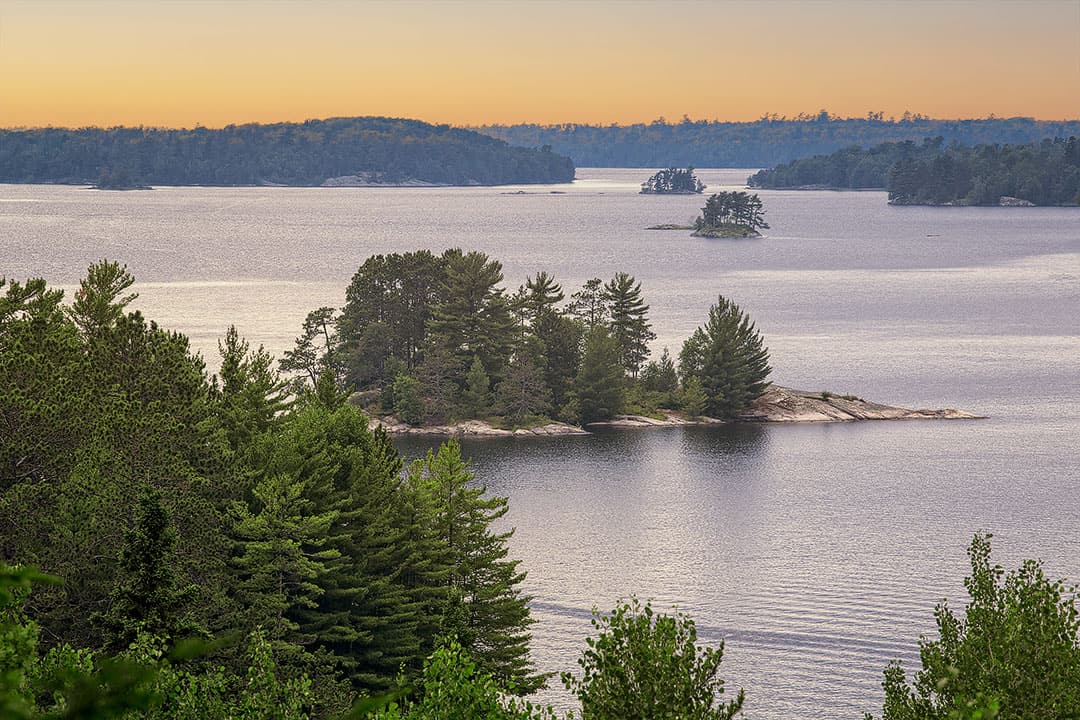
816 552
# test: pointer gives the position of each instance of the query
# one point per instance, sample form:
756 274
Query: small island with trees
673 181
732 214
435 344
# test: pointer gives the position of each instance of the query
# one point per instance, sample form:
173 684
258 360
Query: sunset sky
179 64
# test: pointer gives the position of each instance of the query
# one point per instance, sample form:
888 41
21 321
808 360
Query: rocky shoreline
777 405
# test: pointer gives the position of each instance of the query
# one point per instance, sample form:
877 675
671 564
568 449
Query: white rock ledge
777 405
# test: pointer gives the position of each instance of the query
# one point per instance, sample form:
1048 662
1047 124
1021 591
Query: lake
817 552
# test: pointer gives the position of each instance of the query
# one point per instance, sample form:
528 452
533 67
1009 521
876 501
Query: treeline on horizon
386 150
933 173
766 142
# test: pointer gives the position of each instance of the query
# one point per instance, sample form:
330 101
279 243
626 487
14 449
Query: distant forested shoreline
931 173
766 142
356 151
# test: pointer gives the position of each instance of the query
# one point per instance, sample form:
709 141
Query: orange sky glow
179 64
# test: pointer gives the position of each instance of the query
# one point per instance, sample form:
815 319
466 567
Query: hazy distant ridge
384 150
762 143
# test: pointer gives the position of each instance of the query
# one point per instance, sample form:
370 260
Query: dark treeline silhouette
1042 173
383 149
763 143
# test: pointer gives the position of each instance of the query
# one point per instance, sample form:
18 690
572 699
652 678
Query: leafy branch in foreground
1015 653
648 665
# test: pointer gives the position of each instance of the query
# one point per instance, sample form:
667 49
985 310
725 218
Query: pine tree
522 392
484 607
694 400
629 323
590 304
729 358
474 315
476 400
599 385
281 558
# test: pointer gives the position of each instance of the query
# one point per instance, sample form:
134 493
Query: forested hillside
1042 173
763 143
384 150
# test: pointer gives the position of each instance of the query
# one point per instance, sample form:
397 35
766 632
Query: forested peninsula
336 152
931 173
768 141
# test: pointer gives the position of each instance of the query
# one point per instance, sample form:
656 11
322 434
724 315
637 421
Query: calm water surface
817 552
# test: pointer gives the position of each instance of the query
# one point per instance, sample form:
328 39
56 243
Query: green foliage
379 148
937 172
407 402
251 395
645 665
453 687
673 181
388 306
694 399
98 301
315 349
476 400
729 359
474 315
1014 654
590 304
599 386
522 392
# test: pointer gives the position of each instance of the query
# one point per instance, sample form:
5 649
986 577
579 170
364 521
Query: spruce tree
148 596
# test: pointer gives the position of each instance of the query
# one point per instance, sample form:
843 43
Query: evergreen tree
476 400
407 401
147 597
629 322
98 301
728 357
439 376
590 304
315 348
694 400
485 609
542 294
281 558
522 392
474 315
562 339
251 394
599 385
